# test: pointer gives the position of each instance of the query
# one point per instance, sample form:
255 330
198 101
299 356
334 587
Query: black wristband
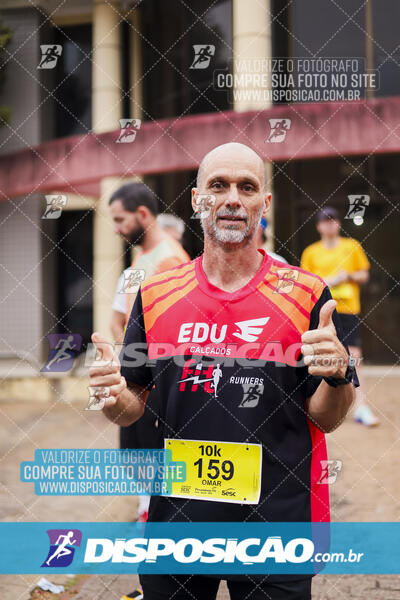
348 378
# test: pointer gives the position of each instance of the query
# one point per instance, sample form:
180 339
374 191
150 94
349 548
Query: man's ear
267 201
143 213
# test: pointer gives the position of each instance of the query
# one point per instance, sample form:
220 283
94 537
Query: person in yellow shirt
344 266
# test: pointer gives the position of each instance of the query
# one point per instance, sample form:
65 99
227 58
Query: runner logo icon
203 54
62 547
251 395
210 380
278 130
63 349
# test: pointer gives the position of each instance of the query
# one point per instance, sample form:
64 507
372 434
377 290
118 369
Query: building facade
188 77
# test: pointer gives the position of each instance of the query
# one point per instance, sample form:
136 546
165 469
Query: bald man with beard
239 311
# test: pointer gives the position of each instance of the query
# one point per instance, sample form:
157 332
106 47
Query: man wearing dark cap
342 263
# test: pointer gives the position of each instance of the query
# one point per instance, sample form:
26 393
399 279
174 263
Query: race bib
219 471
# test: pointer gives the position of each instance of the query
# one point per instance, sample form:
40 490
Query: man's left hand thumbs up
323 353
325 315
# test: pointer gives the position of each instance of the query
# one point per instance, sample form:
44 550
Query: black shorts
351 329
201 587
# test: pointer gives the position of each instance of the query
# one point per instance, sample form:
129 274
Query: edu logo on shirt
248 331
62 547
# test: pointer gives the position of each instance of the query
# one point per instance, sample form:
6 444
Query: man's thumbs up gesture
323 353
105 374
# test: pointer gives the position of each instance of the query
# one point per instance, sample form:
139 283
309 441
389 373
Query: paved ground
367 487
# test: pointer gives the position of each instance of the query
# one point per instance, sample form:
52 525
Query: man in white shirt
134 210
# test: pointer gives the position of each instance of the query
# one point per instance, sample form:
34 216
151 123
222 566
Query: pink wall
77 163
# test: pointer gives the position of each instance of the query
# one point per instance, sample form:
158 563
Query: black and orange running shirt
233 390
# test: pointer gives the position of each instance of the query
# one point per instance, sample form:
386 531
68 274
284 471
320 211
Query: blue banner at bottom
200 548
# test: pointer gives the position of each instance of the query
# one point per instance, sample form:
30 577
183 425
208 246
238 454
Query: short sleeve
119 303
134 356
305 261
169 263
311 382
360 260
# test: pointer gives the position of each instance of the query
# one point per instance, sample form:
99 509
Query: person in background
344 266
173 225
262 241
134 210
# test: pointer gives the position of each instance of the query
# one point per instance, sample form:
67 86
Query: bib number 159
213 467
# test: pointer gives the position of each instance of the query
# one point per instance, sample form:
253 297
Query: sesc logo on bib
229 492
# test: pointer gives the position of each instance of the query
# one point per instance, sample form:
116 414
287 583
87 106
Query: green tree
5 38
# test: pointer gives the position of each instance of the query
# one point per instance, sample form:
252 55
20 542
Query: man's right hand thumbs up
104 349
106 371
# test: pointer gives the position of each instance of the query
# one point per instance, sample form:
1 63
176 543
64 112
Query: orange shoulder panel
170 293
299 302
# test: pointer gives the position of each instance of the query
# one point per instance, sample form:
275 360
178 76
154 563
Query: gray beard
227 236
